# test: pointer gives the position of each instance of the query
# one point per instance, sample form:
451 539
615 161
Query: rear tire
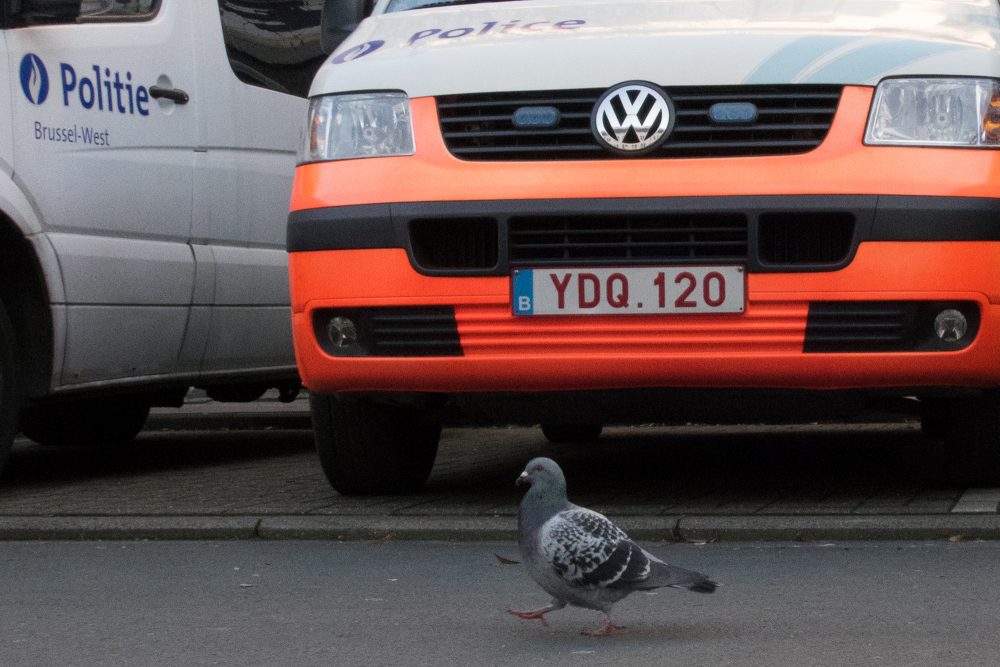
369 446
563 433
10 390
92 422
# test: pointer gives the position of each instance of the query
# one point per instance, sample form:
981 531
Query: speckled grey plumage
579 556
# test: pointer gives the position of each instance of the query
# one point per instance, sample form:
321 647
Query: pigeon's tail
703 586
678 577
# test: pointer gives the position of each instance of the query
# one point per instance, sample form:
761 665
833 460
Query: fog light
342 332
950 325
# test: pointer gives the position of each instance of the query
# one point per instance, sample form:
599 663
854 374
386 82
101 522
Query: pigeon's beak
522 479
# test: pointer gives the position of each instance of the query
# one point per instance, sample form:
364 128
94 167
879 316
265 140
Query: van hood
566 44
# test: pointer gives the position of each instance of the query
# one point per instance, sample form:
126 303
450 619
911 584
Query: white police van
146 159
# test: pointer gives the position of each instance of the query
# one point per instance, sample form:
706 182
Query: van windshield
405 5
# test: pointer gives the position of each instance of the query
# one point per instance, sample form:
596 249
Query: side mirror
340 18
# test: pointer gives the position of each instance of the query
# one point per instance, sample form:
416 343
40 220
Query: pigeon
580 557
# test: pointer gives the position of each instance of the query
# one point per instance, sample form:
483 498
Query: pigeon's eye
539 468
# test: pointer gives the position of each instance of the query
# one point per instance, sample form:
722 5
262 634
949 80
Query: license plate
648 290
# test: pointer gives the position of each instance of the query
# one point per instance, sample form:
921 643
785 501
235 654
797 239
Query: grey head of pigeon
547 494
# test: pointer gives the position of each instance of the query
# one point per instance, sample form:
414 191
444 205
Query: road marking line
978 500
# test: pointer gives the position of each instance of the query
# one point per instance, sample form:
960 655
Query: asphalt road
413 603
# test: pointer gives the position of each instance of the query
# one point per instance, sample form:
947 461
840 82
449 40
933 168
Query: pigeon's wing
588 550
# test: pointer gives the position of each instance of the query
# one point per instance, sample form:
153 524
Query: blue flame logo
34 79
358 51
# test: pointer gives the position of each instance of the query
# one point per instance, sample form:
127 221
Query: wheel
103 422
10 393
560 433
369 446
973 439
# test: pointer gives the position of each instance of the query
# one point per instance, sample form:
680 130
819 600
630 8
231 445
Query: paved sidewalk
218 471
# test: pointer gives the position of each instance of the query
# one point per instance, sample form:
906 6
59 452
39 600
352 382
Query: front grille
628 239
425 331
792 119
883 326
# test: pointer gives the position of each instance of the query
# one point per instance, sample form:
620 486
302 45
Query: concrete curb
497 528
127 528
838 527
351 528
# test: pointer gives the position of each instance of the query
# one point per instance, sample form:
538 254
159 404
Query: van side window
54 12
273 43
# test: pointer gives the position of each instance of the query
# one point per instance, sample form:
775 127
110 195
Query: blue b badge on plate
523 298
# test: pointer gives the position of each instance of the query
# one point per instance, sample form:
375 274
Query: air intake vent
807 239
790 119
458 244
633 239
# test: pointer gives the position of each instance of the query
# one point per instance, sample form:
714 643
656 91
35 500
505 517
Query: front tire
10 390
974 439
369 446
92 422
936 417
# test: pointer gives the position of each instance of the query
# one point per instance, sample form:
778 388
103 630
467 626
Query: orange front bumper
761 348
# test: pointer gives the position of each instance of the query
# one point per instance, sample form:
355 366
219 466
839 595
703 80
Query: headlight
342 127
935 112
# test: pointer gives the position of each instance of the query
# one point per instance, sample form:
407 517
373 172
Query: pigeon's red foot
608 628
533 614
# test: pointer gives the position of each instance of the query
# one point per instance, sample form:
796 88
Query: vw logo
34 78
633 117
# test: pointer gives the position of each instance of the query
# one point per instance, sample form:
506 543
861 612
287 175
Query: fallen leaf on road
385 539
506 561
956 538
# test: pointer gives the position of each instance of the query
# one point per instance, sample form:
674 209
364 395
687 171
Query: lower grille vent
428 331
884 326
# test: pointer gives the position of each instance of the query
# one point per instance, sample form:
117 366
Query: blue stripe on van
871 63
866 63
790 60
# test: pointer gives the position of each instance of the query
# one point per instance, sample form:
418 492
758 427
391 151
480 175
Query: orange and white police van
577 212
